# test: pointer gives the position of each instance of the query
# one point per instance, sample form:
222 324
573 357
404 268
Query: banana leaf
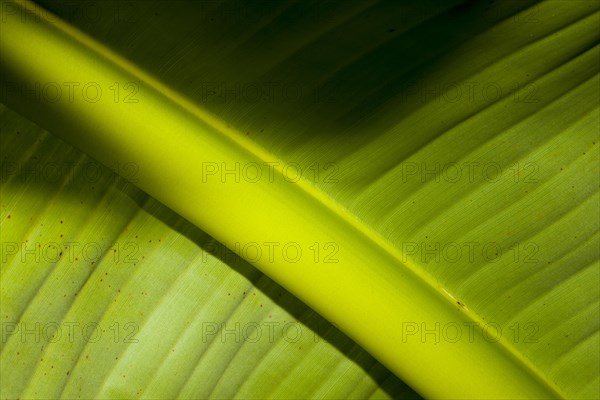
422 174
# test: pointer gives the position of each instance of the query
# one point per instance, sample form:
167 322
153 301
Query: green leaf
443 154
106 293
